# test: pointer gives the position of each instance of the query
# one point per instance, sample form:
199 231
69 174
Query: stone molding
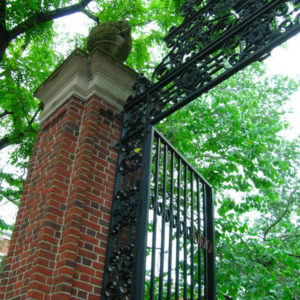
85 75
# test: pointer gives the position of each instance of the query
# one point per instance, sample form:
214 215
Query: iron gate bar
154 200
199 227
162 242
182 158
206 274
142 220
210 233
177 232
170 227
192 234
184 235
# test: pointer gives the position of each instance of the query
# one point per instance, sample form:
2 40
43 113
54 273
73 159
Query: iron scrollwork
215 42
119 261
119 266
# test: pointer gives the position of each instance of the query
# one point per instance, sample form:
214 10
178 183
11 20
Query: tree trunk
3 45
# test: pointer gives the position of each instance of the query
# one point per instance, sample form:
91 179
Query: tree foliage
233 136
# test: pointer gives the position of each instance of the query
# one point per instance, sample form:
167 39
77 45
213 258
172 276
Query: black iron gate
180 243
165 227
215 40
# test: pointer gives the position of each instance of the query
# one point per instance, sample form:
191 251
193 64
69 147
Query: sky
284 60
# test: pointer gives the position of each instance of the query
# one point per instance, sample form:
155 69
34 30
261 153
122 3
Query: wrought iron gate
171 222
180 244
215 40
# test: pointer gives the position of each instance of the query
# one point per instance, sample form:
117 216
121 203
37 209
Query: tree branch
6 113
294 255
280 218
9 140
3 31
227 297
2 15
35 115
91 15
240 237
15 202
43 17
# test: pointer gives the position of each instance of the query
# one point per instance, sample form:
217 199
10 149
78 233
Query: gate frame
180 78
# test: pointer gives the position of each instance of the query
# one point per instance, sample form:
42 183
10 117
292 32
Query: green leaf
33 4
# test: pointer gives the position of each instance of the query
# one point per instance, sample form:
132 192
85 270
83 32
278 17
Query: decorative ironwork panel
125 247
216 40
180 244
121 244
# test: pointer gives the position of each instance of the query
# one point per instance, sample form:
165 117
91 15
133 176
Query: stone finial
114 38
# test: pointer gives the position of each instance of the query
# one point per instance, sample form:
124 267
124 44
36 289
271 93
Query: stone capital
85 75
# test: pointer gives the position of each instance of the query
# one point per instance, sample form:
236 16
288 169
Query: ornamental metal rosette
215 40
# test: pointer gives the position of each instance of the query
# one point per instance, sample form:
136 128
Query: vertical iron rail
156 176
192 236
170 227
107 283
178 224
210 233
162 243
142 218
204 190
198 240
185 234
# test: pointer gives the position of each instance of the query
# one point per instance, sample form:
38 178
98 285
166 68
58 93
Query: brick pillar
59 241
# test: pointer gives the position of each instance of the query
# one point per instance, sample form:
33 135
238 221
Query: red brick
84 277
98 266
43 270
68 254
41 262
66 271
66 193
34 295
62 296
83 286
38 277
45 254
85 270
69 247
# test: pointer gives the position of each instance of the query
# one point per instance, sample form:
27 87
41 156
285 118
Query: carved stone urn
113 38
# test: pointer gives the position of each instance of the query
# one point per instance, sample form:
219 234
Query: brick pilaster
58 246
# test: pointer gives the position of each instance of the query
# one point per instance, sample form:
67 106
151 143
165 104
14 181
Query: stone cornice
84 76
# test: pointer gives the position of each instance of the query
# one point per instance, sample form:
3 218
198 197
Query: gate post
59 241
